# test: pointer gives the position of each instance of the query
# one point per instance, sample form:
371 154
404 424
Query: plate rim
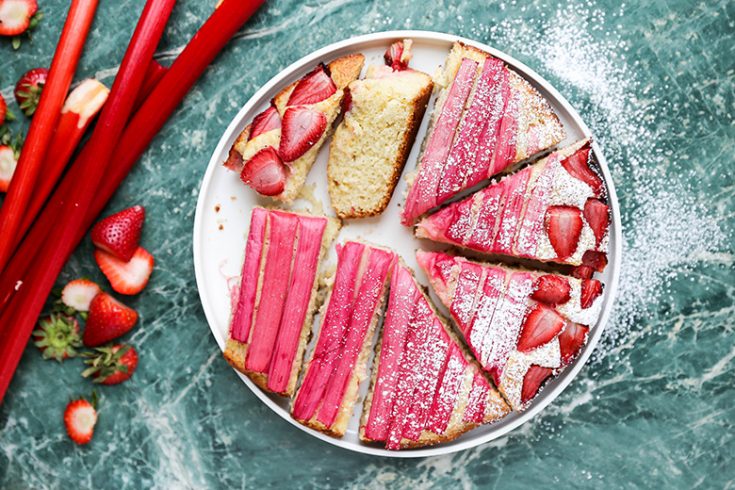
530 75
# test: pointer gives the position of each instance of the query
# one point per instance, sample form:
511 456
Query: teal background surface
654 407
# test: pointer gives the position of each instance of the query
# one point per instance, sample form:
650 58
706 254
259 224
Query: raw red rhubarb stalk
44 123
149 119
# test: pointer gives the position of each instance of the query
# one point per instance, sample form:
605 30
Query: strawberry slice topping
302 129
129 277
314 87
265 172
563 225
591 289
571 339
267 120
597 215
397 56
551 289
577 165
119 234
535 377
595 260
583 272
541 325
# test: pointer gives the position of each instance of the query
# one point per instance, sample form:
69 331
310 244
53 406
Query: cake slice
486 119
553 211
425 388
272 315
522 326
329 387
275 152
371 145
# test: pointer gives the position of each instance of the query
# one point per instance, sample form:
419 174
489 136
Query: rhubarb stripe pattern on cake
552 211
425 388
329 389
522 326
272 315
486 119
275 152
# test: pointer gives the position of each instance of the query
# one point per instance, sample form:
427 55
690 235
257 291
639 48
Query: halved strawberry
108 319
563 225
583 272
119 234
265 172
57 336
540 326
16 17
128 277
5 114
111 365
397 56
8 162
571 339
596 260
79 293
577 165
591 289
80 418
267 120
597 215
552 289
535 376
312 88
28 90
302 128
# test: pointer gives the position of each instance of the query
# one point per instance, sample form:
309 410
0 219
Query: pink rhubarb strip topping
447 391
469 283
477 402
515 190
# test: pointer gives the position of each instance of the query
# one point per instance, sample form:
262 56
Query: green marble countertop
654 407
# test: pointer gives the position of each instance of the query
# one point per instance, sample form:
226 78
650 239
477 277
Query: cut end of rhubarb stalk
86 100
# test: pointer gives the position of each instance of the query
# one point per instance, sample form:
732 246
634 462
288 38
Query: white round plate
223 216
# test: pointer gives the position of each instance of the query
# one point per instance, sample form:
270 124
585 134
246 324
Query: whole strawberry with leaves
111 365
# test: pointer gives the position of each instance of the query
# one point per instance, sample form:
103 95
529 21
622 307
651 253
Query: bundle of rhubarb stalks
53 198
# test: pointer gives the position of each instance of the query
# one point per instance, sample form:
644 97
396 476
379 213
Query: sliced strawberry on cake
522 326
276 300
425 388
371 145
486 119
553 211
275 152
332 376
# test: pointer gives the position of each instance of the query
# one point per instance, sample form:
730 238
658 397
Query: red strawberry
265 172
79 293
80 418
128 277
597 215
234 160
552 289
591 289
577 165
108 319
583 272
541 325
5 114
535 376
302 128
119 234
28 90
596 260
267 120
111 365
16 17
312 88
396 56
57 336
8 162
571 339
563 225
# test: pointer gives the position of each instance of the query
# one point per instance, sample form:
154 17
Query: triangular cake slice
273 307
553 211
371 145
275 152
329 388
487 118
425 387
522 326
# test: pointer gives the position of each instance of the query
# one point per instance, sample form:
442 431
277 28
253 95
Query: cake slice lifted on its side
371 145
275 303
486 119
329 388
552 211
425 388
275 152
522 326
